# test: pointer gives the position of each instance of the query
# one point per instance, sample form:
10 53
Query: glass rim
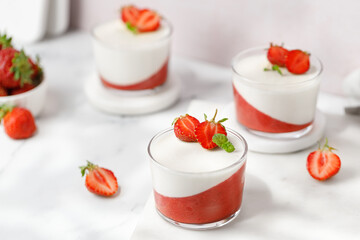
163 20
229 130
247 79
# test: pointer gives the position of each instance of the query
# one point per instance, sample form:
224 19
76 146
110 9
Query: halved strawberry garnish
148 21
206 130
323 163
130 14
99 180
277 55
184 128
298 62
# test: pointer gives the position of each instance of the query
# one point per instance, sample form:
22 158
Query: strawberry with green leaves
206 131
16 68
323 163
18 122
99 180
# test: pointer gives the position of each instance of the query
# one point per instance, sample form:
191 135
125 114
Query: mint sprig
222 141
132 28
274 68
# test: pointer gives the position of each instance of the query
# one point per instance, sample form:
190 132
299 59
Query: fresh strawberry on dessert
206 130
3 92
184 128
277 55
18 122
148 21
5 41
323 163
298 62
130 15
99 180
16 68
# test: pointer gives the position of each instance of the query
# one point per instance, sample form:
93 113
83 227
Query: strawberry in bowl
21 78
197 184
132 52
275 90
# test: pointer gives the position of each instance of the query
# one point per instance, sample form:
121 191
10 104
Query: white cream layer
125 58
288 97
196 163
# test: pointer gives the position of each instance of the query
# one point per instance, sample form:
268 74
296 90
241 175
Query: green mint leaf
222 141
267 69
131 27
228 147
277 69
219 139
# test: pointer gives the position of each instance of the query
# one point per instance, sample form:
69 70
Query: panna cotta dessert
273 99
132 53
195 187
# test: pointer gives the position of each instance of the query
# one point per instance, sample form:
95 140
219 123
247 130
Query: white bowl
33 100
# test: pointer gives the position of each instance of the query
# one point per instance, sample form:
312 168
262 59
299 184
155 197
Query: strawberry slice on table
148 21
323 163
298 62
99 180
15 68
277 55
18 122
184 128
130 14
206 130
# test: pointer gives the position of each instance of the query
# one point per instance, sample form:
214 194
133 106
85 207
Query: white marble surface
42 194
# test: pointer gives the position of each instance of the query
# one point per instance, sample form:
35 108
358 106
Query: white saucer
132 102
257 143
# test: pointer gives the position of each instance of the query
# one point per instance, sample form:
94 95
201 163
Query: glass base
288 135
204 226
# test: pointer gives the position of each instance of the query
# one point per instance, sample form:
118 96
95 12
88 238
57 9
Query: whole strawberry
99 180
5 41
206 130
18 122
16 68
323 163
184 128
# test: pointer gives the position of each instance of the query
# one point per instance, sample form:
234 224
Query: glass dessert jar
194 187
270 104
131 61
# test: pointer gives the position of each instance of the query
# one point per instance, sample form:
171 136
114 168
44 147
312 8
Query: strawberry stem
326 146
90 166
21 68
213 119
5 109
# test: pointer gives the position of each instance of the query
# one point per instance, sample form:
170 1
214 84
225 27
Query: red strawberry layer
153 81
212 205
252 118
